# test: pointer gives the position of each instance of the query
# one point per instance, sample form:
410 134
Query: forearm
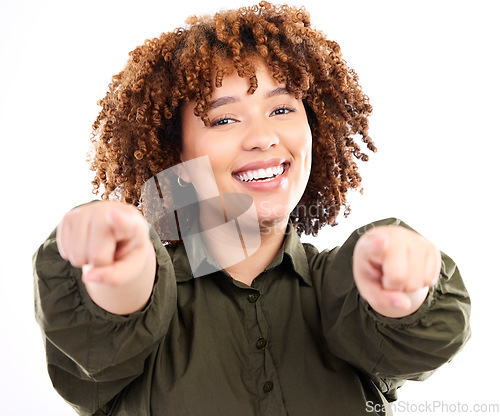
91 353
86 333
406 347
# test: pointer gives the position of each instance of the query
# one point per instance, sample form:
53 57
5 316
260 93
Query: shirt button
268 386
261 343
252 297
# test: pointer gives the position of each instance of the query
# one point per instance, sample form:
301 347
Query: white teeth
261 174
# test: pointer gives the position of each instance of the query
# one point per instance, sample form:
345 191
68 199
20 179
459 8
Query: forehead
255 75
262 75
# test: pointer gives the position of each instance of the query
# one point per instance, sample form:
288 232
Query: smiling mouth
262 175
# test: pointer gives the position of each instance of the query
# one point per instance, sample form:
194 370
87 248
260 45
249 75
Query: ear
182 172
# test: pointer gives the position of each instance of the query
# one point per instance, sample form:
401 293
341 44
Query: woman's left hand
393 269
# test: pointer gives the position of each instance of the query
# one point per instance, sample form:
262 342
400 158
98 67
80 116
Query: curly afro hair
137 134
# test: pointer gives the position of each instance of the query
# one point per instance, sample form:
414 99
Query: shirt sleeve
92 354
391 350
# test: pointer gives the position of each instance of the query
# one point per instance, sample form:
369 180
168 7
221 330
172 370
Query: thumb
113 275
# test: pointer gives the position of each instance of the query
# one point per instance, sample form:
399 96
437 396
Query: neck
248 269
245 265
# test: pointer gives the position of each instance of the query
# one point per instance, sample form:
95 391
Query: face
258 144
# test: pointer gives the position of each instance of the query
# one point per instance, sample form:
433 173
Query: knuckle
74 214
65 224
67 217
394 281
413 287
398 278
77 255
77 260
98 259
100 254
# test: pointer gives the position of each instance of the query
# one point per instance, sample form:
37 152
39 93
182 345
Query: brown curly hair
137 133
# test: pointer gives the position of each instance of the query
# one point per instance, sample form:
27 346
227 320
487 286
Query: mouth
262 174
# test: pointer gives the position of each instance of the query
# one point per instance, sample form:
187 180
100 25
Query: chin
278 217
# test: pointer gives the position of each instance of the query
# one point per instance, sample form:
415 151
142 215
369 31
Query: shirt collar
294 249
200 258
189 264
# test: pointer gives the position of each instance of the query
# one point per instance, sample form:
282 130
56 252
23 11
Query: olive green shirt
300 341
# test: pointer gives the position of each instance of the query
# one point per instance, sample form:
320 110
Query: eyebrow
229 99
278 91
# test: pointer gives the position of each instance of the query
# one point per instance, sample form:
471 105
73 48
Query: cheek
220 154
195 145
304 153
302 144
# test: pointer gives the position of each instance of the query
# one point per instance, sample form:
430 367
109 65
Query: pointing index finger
124 225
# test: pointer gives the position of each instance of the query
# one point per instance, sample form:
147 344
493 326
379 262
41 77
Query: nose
260 135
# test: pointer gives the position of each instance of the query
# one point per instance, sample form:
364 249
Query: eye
222 121
282 110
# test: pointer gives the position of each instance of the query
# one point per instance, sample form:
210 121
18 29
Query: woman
271 105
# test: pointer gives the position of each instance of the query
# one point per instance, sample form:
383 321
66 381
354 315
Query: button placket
268 386
261 343
253 297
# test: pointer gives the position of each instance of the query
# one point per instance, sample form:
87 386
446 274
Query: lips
261 171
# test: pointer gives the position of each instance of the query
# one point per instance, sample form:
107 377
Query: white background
430 69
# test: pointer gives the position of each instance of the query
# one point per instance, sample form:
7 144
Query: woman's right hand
110 242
